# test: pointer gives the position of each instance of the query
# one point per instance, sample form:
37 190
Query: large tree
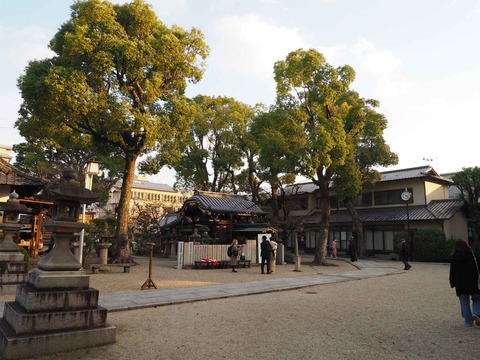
212 151
343 133
311 88
118 77
468 182
278 138
364 128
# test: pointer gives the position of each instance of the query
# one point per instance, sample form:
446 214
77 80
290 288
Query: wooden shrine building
215 218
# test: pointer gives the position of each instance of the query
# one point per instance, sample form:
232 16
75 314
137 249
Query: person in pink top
334 248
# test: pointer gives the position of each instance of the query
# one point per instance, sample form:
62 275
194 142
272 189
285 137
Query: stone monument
13 268
56 310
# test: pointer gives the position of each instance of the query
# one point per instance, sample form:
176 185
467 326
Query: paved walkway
129 300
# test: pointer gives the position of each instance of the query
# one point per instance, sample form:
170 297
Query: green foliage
95 231
289 257
203 228
468 182
117 81
339 135
432 245
215 141
26 257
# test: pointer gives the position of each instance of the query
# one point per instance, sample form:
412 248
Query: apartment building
145 193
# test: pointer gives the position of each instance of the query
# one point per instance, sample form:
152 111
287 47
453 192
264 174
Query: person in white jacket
273 258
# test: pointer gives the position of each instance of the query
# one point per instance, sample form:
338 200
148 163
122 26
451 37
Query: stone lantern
13 268
56 310
11 209
68 196
104 244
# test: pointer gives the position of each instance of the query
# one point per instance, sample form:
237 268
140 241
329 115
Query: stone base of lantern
54 311
13 272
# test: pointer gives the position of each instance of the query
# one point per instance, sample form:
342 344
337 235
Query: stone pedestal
13 268
103 251
56 310
76 249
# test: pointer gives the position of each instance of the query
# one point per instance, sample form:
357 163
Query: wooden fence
189 252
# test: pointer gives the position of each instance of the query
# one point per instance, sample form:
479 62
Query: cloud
21 45
167 7
383 66
251 44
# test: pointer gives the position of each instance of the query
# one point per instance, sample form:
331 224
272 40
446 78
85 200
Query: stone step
18 347
33 300
24 323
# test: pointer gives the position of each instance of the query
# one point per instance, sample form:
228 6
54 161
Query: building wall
379 236
436 191
141 195
456 227
417 187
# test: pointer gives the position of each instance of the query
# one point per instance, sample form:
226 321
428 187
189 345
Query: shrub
289 257
432 245
26 257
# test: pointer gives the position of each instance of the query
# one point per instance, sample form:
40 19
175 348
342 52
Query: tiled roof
215 203
10 175
301 188
393 175
412 173
169 220
435 210
224 203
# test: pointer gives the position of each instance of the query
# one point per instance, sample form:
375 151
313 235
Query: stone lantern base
13 267
54 311
13 272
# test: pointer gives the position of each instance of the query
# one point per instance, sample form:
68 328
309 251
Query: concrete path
129 300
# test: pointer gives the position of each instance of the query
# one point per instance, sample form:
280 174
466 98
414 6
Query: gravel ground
414 315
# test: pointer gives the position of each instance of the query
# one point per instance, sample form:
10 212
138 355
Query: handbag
478 272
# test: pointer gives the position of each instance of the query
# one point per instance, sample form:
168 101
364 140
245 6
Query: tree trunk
275 200
321 250
123 251
358 227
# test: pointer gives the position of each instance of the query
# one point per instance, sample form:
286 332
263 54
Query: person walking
273 258
334 248
352 248
236 249
265 253
464 278
405 254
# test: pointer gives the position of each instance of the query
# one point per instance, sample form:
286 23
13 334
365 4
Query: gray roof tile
11 175
224 203
435 210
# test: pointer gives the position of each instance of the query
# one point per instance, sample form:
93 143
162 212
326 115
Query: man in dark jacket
405 254
265 252
352 248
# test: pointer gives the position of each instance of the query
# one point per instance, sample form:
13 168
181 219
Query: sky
418 58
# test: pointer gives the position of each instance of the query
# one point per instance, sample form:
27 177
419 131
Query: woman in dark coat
464 278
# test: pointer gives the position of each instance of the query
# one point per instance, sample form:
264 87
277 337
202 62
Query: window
299 203
365 199
390 197
380 238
